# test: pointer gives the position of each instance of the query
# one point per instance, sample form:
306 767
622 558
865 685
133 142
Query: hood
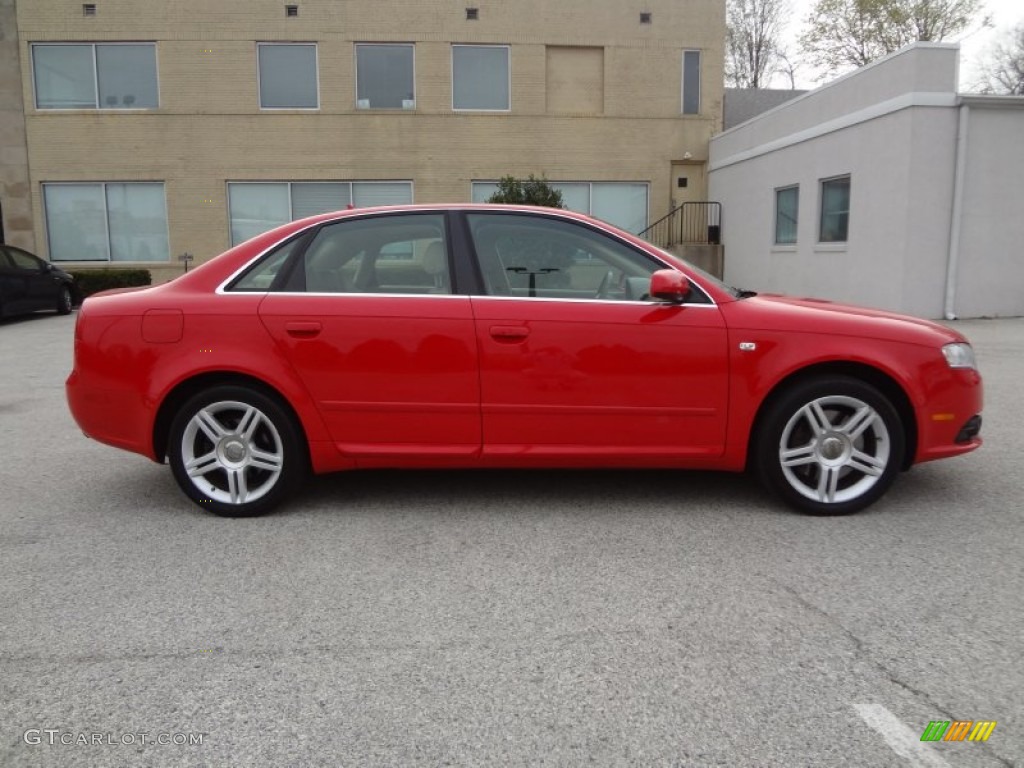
787 313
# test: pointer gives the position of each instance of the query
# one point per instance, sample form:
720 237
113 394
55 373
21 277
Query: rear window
261 275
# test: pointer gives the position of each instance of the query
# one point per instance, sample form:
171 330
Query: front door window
576 360
537 257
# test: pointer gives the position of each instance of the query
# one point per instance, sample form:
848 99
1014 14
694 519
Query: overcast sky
1005 14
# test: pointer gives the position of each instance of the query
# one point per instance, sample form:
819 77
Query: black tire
831 445
64 301
237 469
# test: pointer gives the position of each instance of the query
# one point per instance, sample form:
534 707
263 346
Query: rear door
577 362
368 318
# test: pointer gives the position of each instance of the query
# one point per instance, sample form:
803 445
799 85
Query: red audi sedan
503 336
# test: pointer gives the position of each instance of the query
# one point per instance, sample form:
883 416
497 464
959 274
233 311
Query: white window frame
290 182
95 76
837 244
106 217
682 84
355 65
775 220
259 87
508 59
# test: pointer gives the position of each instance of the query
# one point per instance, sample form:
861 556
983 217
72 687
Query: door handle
509 332
303 330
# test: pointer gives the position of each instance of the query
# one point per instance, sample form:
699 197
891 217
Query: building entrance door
687 183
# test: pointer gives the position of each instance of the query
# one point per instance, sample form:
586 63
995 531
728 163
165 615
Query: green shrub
531 191
90 281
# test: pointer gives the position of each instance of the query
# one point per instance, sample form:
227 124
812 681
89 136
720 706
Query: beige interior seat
435 264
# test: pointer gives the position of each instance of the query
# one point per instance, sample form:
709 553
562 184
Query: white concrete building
885 187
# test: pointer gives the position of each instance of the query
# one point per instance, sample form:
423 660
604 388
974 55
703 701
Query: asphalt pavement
501 618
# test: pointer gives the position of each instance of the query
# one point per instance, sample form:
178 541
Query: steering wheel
603 291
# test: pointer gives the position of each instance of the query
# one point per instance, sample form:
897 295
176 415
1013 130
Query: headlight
959 355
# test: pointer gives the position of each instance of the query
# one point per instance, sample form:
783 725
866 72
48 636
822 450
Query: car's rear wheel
64 301
830 445
235 451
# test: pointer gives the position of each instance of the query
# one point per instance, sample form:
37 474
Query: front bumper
950 422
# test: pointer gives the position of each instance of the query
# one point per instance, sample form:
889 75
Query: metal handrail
694 223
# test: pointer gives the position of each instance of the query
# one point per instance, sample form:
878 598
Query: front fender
781 356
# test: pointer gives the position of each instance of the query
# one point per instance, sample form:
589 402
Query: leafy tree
531 191
844 34
752 48
1002 71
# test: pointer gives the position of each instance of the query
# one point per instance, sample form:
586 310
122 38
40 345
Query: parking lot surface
501 618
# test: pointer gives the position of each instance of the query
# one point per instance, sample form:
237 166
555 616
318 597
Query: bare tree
1002 70
787 68
845 34
752 42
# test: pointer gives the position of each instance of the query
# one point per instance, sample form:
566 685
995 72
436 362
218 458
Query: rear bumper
116 417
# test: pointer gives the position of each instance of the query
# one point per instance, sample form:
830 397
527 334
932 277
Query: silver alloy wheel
65 300
232 452
834 449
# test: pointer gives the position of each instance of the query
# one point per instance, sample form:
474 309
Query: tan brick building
154 128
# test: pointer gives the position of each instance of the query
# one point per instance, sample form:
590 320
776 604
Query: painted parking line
903 741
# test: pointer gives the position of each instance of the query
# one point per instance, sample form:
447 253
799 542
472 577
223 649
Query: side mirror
669 285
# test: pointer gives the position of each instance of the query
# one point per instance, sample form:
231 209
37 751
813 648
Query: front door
368 319
577 362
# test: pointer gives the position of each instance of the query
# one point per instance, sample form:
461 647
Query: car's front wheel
235 451
64 301
830 445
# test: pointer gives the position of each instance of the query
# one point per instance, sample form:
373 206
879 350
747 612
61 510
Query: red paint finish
468 380
604 379
162 326
391 376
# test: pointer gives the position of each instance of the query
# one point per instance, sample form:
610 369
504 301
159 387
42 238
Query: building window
835 210
256 207
95 76
106 222
385 77
288 76
480 77
691 82
787 202
621 204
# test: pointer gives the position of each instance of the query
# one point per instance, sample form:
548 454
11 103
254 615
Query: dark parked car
28 284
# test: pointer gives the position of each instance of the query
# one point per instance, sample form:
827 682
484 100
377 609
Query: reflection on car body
504 336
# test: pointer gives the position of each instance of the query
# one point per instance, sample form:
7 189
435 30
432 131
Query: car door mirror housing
669 285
